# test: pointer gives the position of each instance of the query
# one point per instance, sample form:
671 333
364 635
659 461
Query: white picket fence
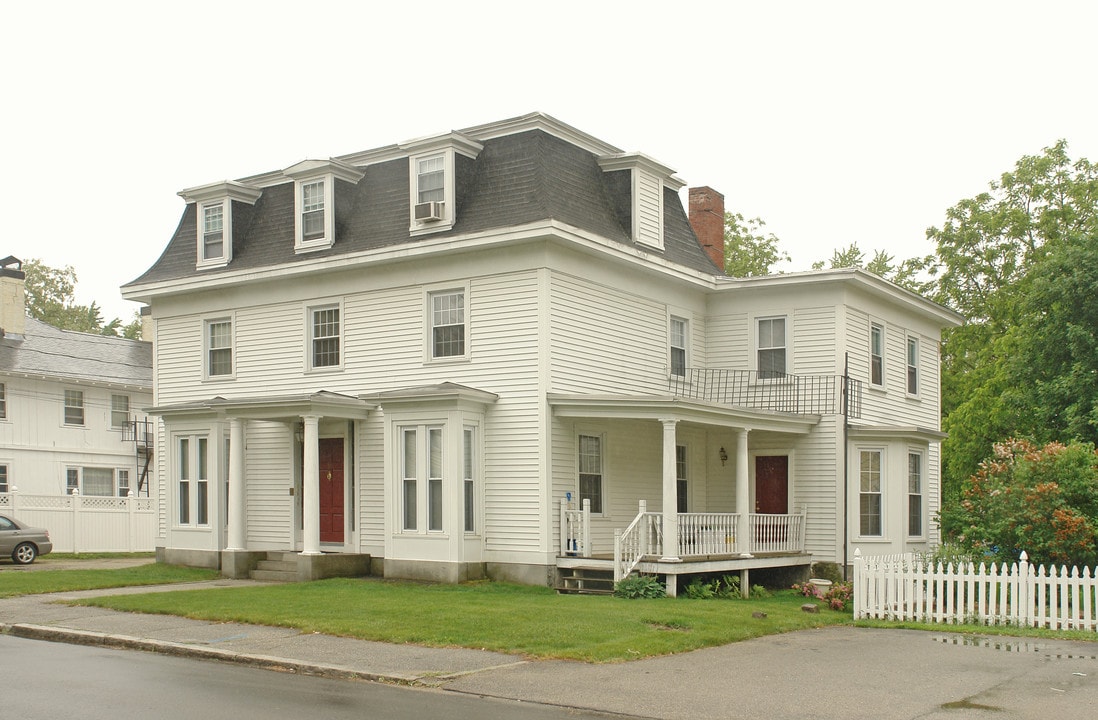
86 523
907 587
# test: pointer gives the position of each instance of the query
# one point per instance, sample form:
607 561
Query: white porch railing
707 534
905 587
777 533
575 529
87 523
644 536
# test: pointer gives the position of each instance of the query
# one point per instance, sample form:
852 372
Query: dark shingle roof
516 179
48 352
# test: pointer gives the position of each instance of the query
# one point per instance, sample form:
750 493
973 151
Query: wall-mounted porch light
723 456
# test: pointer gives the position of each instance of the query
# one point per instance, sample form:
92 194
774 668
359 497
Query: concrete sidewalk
831 673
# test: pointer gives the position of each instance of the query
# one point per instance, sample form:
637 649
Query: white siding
648 223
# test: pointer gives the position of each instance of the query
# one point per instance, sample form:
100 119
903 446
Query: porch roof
283 408
902 432
666 407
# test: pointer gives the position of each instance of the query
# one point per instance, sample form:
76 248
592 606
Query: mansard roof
530 169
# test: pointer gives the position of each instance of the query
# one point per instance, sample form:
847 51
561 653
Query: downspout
846 461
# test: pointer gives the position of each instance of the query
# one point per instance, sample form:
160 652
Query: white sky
836 122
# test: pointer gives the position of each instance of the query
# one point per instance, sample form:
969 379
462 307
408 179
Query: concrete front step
274 575
278 567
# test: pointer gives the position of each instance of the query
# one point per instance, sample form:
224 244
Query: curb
163 647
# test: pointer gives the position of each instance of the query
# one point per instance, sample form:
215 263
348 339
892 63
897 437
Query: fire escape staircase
140 433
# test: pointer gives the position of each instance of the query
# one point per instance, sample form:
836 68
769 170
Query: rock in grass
810 608
758 615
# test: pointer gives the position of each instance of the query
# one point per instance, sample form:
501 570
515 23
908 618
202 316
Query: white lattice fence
905 587
87 523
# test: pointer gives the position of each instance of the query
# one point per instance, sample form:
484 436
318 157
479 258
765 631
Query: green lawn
49 581
533 621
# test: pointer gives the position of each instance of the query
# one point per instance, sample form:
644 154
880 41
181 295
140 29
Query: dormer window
213 231
312 211
434 166
647 180
314 201
215 213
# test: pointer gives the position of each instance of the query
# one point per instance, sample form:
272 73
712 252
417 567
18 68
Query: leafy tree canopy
911 273
51 299
748 251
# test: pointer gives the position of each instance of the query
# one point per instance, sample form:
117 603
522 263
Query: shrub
1043 500
707 588
827 571
639 587
838 597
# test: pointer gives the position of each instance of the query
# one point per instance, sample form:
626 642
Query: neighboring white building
407 359
68 402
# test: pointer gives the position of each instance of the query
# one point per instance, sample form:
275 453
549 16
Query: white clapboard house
510 352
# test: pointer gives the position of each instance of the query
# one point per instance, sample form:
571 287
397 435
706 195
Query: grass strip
50 581
532 621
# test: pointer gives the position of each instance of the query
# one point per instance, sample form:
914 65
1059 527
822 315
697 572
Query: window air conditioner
429 211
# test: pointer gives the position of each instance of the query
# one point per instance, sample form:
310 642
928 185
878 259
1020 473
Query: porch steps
278 567
585 581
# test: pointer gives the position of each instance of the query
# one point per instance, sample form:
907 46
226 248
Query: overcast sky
836 122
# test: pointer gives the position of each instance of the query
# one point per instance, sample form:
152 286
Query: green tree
748 251
912 273
987 250
1043 500
50 298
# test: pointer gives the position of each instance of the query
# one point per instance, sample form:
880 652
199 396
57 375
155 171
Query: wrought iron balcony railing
798 394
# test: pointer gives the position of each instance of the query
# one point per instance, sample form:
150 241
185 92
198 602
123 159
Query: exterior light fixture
723 455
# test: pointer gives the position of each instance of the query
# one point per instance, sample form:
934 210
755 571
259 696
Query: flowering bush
1043 500
838 597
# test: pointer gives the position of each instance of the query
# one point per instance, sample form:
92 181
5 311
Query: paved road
842 673
53 680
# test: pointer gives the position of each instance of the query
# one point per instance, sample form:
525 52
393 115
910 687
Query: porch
705 543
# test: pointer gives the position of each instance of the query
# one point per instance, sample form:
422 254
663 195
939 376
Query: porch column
311 486
743 494
670 495
237 531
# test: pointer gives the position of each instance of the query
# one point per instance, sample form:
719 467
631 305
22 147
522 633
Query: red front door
331 490
772 484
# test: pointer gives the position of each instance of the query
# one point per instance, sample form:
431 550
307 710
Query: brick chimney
13 297
707 219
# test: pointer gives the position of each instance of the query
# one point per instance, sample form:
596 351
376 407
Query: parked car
22 542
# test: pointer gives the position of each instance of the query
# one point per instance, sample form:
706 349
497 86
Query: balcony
795 394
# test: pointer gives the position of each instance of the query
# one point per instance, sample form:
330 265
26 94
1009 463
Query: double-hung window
120 410
192 480
468 480
421 477
912 366
771 347
219 348
74 407
447 320
3 478
324 337
213 231
869 495
914 494
430 180
876 355
590 471
3 402
123 483
681 488
678 346
312 210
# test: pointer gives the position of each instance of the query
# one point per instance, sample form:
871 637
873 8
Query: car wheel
24 554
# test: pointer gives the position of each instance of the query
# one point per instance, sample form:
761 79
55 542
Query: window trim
114 410
786 348
684 348
429 327
75 477
920 494
882 471
601 509
198 480
470 472
912 341
426 520
5 477
3 401
682 478
204 259
65 406
448 146
207 349
877 329
310 338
